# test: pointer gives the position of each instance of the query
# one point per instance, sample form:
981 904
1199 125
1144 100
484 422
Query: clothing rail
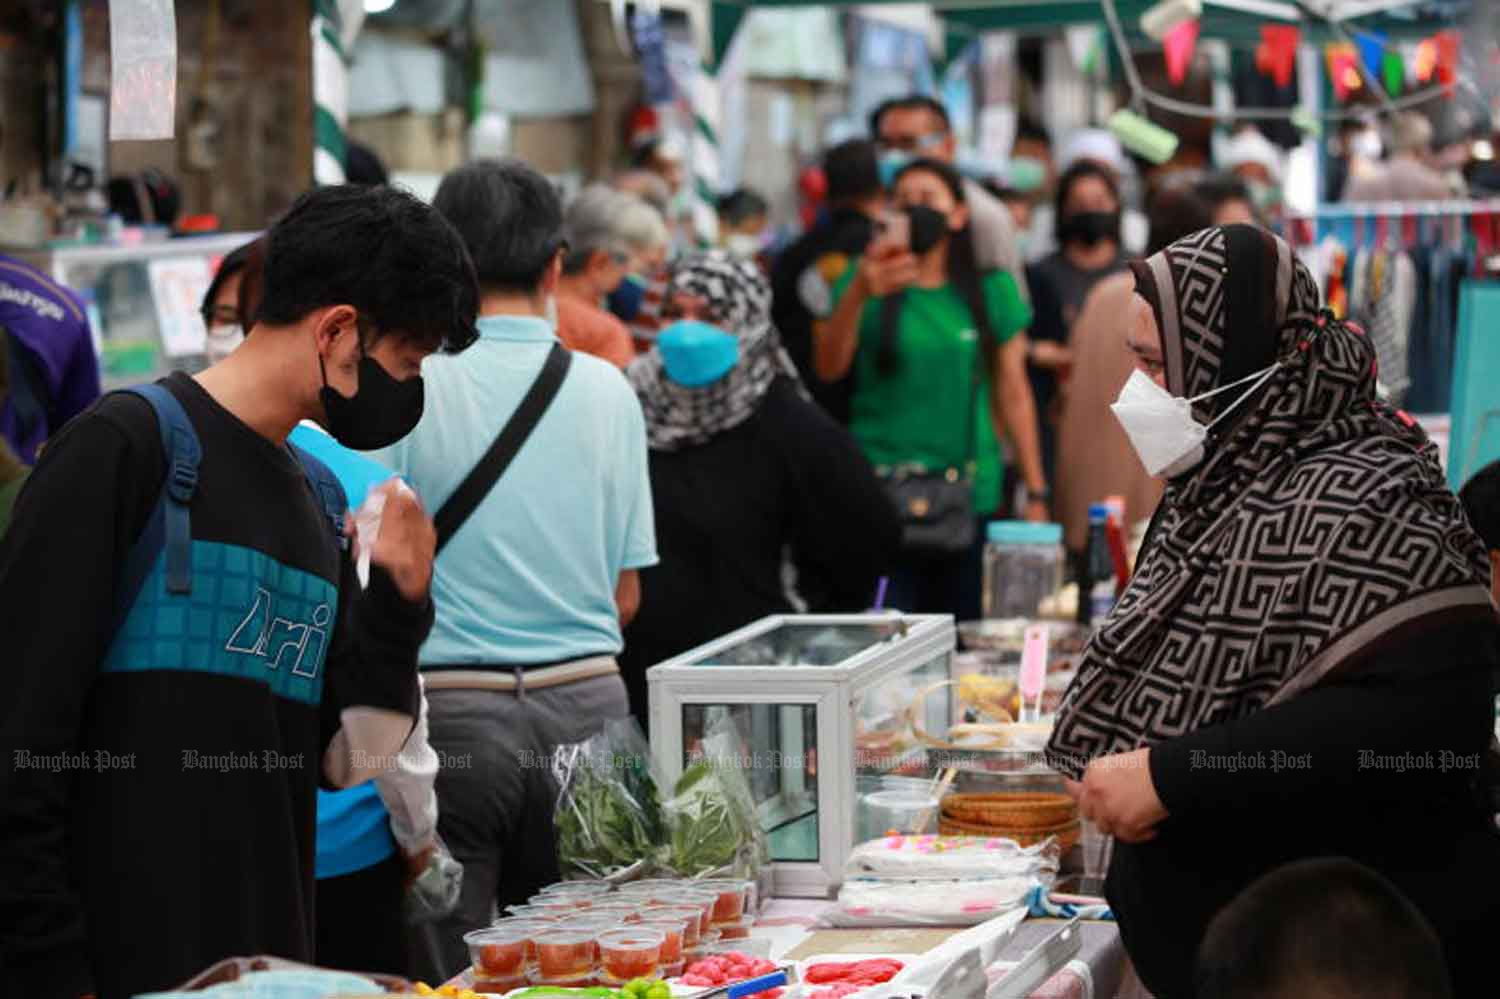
1389 209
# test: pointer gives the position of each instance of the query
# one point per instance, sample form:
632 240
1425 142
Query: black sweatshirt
1386 766
789 477
155 820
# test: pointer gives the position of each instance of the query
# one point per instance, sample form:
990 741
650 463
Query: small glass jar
1023 567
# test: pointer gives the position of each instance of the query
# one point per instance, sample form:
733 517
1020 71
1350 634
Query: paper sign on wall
143 69
177 288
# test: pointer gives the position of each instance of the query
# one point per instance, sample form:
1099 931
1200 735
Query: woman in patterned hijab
1308 617
748 477
733 295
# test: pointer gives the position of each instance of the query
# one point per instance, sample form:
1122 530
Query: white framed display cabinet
821 704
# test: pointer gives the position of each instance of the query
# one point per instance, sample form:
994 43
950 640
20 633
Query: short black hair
362 165
231 264
1326 927
379 249
740 205
852 171
912 102
1217 188
1079 171
1481 499
510 217
1174 212
1029 128
946 172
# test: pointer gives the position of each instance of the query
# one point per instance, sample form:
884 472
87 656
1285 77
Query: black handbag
937 508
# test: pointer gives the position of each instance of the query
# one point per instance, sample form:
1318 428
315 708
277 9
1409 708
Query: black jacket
1386 765
802 292
787 480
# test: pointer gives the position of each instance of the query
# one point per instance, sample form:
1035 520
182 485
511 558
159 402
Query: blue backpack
168 530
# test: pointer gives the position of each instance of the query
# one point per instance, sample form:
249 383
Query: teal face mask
1025 173
890 164
695 353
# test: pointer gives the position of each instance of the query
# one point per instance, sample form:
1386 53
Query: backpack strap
327 488
170 528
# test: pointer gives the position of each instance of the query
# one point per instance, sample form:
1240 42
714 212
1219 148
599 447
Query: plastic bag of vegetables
711 815
608 814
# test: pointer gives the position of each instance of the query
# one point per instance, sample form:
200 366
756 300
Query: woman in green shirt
913 320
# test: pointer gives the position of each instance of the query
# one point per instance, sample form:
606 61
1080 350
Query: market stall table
1098 972
790 928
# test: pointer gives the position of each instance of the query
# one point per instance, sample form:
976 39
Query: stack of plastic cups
628 954
674 929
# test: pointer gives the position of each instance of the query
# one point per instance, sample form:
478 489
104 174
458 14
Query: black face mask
928 228
379 413
1089 228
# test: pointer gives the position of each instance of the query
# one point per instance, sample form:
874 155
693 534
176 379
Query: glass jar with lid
1023 567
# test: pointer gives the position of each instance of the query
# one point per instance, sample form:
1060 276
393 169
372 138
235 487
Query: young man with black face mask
190 652
1088 237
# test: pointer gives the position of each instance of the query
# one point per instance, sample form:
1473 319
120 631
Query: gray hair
1411 132
602 218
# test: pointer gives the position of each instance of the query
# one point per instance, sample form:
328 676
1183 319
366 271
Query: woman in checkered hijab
764 505
1303 661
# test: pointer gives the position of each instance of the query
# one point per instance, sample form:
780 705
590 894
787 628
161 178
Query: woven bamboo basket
1015 810
1067 833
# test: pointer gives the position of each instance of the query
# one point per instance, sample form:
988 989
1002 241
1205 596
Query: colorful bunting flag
1447 57
1393 73
1276 56
1179 44
1342 72
1371 51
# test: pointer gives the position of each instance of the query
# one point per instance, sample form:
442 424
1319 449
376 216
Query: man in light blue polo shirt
532 589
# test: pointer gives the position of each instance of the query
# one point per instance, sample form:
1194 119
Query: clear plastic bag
711 815
434 893
608 815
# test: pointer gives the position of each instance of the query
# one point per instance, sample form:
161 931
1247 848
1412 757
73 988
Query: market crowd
459 473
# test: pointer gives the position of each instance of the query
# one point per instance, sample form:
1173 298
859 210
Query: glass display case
823 705
142 301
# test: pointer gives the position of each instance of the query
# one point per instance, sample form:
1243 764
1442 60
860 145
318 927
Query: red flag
1276 55
1179 43
1447 57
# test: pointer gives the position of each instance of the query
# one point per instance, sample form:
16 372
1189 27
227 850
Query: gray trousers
496 793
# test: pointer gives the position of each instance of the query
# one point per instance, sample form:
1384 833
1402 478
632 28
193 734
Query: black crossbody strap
508 443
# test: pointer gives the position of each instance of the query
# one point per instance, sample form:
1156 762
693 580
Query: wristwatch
1037 495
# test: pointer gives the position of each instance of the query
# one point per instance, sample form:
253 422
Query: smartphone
892 232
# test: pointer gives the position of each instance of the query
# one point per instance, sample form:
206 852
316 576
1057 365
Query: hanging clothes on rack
1397 269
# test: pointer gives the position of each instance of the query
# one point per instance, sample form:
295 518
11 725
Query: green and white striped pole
330 78
704 159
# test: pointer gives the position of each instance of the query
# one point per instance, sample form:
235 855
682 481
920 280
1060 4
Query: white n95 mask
1161 426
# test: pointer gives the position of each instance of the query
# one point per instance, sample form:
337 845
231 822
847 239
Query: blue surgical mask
625 301
695 353
890 164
